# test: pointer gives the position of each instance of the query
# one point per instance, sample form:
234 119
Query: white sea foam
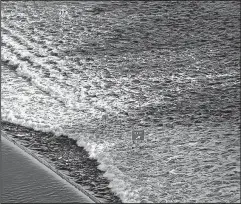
56 99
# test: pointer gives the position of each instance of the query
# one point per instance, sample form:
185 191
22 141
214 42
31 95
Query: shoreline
50 167
65 157
33 181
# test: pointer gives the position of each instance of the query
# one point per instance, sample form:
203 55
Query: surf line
42 161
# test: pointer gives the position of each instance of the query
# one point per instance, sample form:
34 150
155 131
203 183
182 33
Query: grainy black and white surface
170 68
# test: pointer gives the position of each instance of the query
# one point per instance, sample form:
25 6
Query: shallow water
170 68
25 180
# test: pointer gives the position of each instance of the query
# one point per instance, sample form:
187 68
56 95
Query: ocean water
168 68
24 180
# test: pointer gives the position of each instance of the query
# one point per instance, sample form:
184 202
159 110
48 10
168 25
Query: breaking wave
187 106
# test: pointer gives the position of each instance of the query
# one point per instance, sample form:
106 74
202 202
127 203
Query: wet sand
66 157
25 179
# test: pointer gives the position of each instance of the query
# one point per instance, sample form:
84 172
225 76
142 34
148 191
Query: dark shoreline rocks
64 154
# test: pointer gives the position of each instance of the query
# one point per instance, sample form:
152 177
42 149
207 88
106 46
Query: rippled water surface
170 68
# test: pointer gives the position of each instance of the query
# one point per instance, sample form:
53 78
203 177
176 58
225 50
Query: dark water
25 180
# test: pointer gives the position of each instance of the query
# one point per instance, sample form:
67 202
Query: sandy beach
63 166
26 178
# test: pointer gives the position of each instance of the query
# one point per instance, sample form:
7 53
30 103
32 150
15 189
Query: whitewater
64 76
